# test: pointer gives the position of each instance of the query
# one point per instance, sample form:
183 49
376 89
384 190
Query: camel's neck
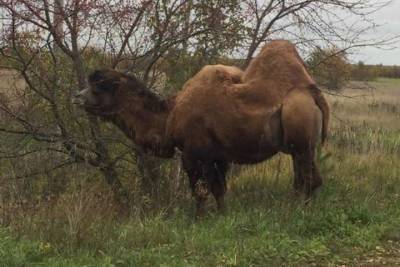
144 121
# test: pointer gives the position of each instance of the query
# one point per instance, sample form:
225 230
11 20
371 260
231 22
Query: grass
353 220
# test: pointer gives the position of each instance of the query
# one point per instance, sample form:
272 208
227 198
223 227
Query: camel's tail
324 107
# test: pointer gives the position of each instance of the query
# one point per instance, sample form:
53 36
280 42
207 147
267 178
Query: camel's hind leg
307 177
316 177
298 182
301 123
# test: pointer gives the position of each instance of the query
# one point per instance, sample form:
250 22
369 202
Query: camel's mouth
80 103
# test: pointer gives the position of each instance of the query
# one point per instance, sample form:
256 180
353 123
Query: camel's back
279 61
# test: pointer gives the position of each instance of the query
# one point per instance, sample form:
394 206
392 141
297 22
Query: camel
221 116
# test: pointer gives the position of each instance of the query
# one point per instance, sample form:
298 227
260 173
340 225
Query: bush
330 67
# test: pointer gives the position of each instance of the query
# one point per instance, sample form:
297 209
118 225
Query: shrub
330 67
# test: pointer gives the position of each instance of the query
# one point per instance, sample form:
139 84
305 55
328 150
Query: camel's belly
232 137
252 157
255 148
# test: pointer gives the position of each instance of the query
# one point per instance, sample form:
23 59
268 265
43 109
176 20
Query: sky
389 18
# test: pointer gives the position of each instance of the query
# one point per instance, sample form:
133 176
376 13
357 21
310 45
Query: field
354 220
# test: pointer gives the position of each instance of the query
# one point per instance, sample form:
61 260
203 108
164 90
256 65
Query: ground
354 220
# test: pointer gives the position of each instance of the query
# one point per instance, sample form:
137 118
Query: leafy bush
330 67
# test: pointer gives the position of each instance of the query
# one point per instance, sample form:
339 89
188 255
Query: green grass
352 219
341 224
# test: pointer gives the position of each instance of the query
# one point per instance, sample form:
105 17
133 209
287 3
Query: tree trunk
149 168
58 21
120 195
104 163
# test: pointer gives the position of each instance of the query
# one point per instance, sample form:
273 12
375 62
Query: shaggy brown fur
223 115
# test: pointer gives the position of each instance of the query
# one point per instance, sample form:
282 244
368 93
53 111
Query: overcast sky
389 18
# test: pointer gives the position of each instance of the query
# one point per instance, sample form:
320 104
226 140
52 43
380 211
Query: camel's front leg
216 178
198 185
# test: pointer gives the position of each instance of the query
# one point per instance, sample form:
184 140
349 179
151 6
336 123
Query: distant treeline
364 72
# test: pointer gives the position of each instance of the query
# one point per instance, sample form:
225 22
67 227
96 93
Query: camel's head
105 92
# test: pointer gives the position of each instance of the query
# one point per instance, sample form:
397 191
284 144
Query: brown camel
222 116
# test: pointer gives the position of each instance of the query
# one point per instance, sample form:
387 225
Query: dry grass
378 106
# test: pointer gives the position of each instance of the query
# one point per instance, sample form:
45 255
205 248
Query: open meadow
354 220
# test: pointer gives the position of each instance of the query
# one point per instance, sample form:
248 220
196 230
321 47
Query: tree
311 23
330 67
53 127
